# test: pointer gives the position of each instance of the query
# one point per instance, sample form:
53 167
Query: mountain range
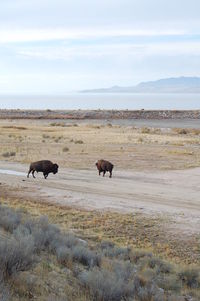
167 85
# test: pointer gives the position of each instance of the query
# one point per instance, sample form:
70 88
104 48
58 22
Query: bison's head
55 168
96 163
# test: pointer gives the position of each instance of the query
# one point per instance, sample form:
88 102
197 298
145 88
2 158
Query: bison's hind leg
104 173
33 173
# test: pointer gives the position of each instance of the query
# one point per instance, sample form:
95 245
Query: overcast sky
56 46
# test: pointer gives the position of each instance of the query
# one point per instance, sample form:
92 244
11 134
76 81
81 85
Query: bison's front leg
29 173
110 174
45 175
33 174
104 173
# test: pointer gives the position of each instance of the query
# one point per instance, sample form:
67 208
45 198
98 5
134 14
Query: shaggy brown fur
104 166
44 166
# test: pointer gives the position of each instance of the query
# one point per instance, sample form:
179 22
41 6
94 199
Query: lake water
103 101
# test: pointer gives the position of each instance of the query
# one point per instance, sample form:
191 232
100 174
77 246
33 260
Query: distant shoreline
99 114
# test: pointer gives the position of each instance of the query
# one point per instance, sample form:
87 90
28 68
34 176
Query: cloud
90 13
31 35
93 43
114 50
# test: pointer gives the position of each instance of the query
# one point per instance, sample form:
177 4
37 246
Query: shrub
137 256
65 149
5 294
70 240
43 233
180 131
78 142
140 139
54 298
45 136
103 285
15 127
145 130
195 131
111 251
16 255
9 219
9 154
106 244
63 240
64 255
111 285
123 269
49 237
58 124
190 277
147 290
160 265
85 256
169 282
150 292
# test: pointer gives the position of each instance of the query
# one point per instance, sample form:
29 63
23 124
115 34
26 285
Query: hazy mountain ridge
167 85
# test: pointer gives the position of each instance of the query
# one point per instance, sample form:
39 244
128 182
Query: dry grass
8 154
15 127
137 230
126 146
54 278
186 131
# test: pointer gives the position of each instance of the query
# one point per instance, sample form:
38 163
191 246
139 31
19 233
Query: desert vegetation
41 261
49 252
166 148
8 154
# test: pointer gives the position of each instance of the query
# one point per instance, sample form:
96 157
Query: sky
56 47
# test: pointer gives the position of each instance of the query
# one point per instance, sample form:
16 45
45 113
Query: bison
44 166
103 166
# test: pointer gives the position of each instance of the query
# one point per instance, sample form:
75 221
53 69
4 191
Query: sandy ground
174 194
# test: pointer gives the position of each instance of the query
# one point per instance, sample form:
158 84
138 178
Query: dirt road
169 192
